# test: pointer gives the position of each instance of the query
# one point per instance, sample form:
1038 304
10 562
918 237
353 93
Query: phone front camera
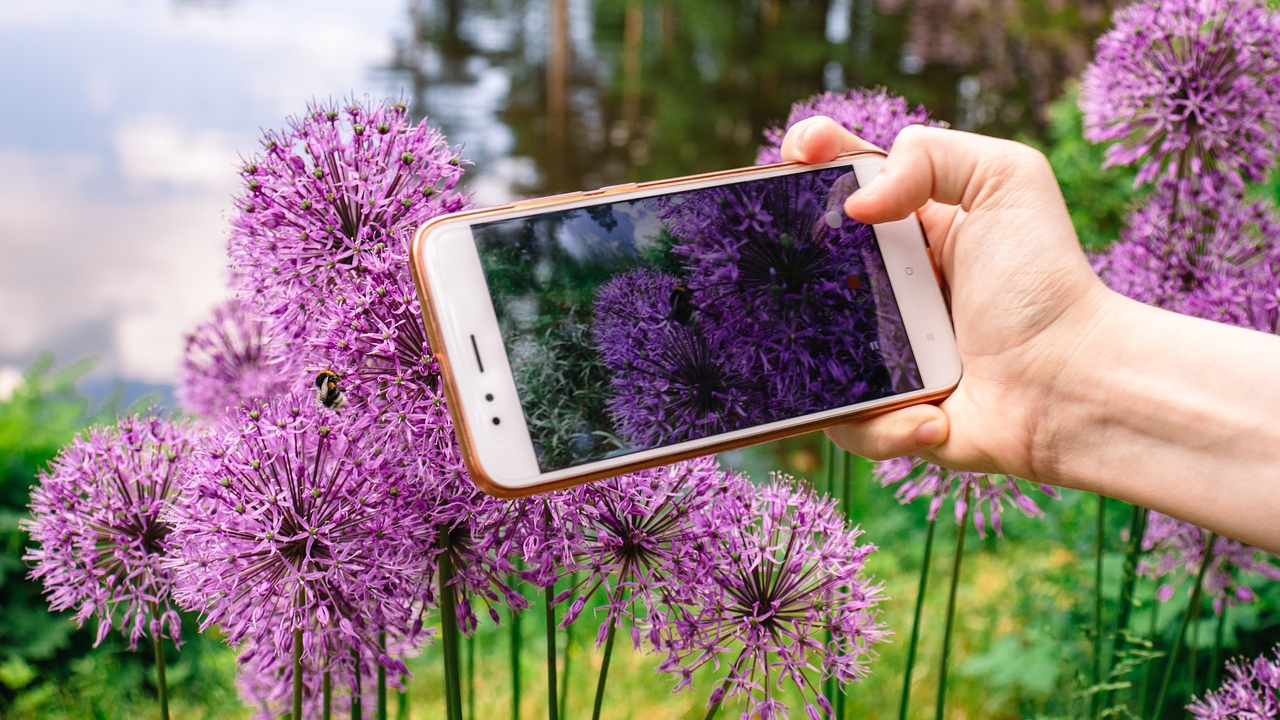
497 421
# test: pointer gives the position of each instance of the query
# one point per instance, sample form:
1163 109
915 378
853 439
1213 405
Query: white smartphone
596 333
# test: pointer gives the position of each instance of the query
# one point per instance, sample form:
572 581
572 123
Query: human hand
1023 296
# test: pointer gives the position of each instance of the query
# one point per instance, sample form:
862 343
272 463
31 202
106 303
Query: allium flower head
1252 692
874 115
1175 551
343 185
1198 252
374 339
670 381
100 539
296 520
1188 88
782 572
781 267
988 494
228 360
641 536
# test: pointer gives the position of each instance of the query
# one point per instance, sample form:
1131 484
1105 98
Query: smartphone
596 333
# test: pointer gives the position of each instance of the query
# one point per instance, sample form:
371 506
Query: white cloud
158 149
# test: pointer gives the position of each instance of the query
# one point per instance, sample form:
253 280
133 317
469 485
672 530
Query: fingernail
804 130
929 433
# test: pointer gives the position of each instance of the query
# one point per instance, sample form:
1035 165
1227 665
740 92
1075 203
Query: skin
1065 381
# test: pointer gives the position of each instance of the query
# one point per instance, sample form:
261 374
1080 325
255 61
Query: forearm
1173 413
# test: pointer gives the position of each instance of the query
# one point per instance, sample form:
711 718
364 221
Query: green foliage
43 413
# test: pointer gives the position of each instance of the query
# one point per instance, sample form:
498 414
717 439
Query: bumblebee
327 390
682 307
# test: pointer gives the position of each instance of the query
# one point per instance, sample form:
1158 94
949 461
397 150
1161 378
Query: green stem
1146 666
515 665
357 688
604 669
951 611
1215 659
1192 646
1129 576
568 645
297 674
553 704
326 695
1137 529
830 484
915 620
382 679
1182 627
449 638
714 708
471 677
1095 697
162 686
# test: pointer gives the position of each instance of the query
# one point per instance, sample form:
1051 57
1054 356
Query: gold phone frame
462 424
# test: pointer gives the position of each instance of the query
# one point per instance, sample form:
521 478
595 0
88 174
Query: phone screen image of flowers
647 322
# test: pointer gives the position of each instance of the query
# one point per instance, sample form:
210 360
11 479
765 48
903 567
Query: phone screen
646 322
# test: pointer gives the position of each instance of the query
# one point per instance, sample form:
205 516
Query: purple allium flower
1200 252
374 339
1188 87
874 115
670 382
343 185
296 519
1175 551
781 572
989 494
100 540
1251 693
641 537
781 267
228 361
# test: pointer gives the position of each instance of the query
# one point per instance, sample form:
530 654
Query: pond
124 122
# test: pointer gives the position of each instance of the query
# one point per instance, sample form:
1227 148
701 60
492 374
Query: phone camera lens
488 396
496 421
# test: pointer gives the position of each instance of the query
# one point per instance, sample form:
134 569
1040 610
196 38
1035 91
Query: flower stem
471 677
553 705
1095 697
1182 627
1216 658
714 708
382 680
1145 687
604 668
449 638
915 620
1137 529
1129 576
326 695
568 644
162 687
515 665
357 688
297 674
951 611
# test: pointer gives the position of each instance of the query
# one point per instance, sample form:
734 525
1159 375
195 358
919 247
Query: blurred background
122 122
